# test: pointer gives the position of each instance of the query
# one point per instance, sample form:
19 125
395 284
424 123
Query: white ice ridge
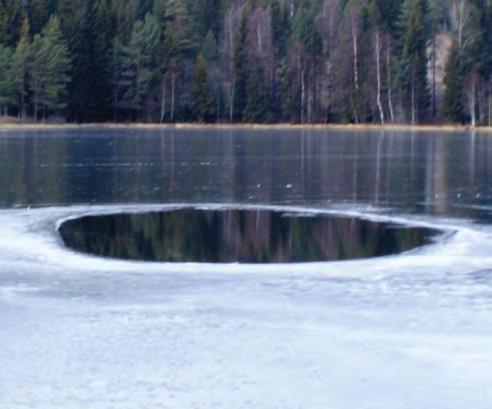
408 331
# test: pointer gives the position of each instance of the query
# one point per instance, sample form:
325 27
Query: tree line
265 61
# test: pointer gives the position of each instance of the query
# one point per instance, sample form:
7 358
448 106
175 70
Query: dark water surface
248 236
428 172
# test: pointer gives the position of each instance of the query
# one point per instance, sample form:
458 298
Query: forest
247 61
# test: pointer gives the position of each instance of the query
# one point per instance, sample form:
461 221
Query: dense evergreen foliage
299 61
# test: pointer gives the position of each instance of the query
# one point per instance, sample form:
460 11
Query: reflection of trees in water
32 172
236 236
408 171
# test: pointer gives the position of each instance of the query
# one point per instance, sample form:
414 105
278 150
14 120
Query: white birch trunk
303 94
309 107
414 115
388 79
35 106
433 73
231 101
163 100
355 47
258 34
173 92
378 69
473 104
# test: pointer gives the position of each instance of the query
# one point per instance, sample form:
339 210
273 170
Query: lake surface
403 331
424 172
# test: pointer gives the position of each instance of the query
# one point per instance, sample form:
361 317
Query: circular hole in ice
238 236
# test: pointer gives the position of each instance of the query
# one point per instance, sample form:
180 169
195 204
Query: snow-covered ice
412 331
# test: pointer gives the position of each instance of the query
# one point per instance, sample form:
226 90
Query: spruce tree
453 107
280 38
180 45
139 74
256 109
7 91
20 67
240 61
117 83
50 69
104 29
59 66
179 25
77 25
413 60
203 99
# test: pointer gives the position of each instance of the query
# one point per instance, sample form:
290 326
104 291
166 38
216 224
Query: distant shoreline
351 127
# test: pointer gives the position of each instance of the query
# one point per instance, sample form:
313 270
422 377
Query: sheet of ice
412 331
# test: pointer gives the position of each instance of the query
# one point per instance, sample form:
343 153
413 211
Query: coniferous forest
261 61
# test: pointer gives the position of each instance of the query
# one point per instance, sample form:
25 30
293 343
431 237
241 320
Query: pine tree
280 38
37 73
469 64
104 29
50 68
311 52
7 91
117 83
256 109
20 67
77 26
413 61
58 66
203 99
140 75
349 76
180 45
240 59
179 21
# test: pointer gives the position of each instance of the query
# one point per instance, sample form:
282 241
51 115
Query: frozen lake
406 331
